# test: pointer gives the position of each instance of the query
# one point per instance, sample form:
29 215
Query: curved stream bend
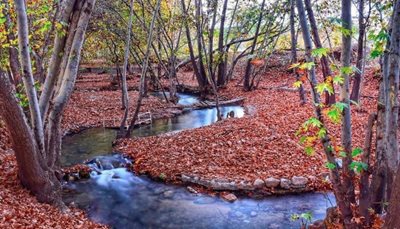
119 198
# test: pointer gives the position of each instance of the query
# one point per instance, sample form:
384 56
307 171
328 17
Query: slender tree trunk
246 83
213 6
60 42
125 99
199 30
200 79
364 199
348 173
326 71
293 39
342 200
27 76
221 63
144 72
12 51
379 175
358 76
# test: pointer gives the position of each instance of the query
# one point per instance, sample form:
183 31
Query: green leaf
347 70
356 152
322 133
307 65
376 53
340 106
338 80
342 154
295 65
314 122
303 139
330 165
334 115
358 166
2 20
309 150
320 52
322 87
297 84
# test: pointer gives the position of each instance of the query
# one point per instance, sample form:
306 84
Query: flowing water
119 198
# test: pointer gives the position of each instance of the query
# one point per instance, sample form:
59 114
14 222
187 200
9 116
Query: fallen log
210 104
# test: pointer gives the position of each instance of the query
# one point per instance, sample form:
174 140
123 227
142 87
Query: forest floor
260 145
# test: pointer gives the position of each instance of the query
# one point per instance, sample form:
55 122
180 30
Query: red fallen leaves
259 146
89 107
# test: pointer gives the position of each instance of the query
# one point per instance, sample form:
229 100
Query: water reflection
184 99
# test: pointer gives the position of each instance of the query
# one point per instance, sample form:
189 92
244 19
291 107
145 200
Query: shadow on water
119 198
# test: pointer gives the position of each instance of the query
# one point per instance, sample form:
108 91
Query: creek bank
269 186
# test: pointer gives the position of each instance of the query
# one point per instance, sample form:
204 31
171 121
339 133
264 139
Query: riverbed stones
245 185
285 183
272 182
299 182
230 197
258 183
192 190
222 184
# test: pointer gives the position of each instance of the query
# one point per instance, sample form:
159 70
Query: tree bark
326 71
144 72
358 76
364 180
342 199
37 148
125 99
246 83
293 39
348 173
27 76
391 71
12 51
32 169
221 60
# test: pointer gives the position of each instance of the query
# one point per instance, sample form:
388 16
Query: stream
114 196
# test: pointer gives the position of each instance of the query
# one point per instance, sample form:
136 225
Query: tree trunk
326 71
391 71
246 83
37 148
221 63
12 51
27 76
32 169
392 219
125 99
379 176
358 76
364 180
348 173
343 201
293 39
144 72
199 30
